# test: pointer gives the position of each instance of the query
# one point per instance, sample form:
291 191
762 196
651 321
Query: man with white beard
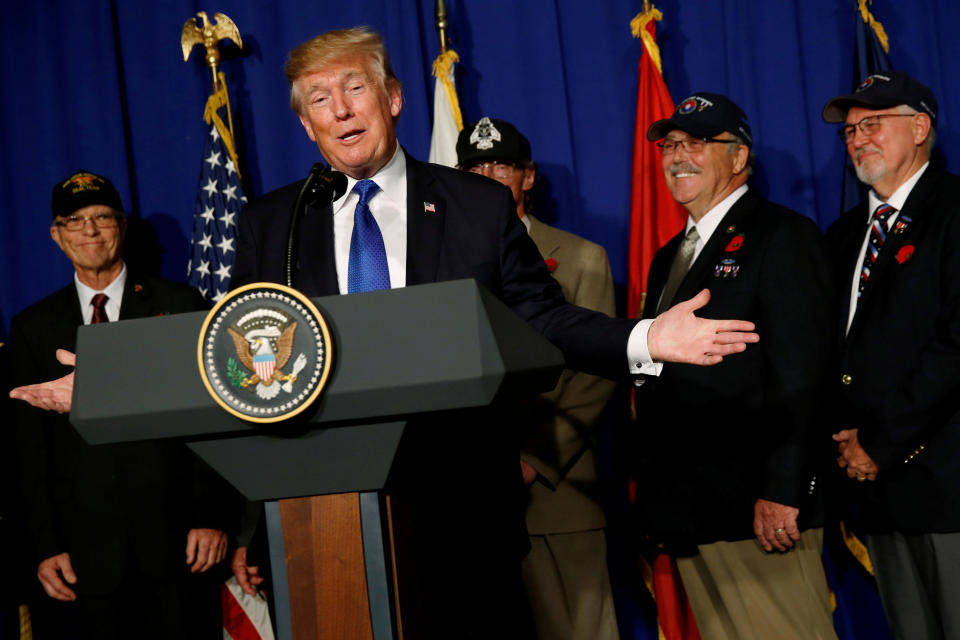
898 262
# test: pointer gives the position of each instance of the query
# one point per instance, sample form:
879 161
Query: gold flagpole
440 13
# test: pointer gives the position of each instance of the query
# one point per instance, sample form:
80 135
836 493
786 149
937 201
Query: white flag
447 121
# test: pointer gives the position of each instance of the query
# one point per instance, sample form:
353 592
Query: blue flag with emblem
213 249
869 56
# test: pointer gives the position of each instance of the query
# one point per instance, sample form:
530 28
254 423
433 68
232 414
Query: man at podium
403 222
110 525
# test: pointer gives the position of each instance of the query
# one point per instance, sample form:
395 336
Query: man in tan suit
565 573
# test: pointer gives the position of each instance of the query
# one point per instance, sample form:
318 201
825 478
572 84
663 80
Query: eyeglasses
100 221
868 126
495 169
690 144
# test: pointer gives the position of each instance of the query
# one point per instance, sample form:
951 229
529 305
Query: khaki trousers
568 586
738 591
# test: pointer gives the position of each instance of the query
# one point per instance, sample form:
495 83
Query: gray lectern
398 355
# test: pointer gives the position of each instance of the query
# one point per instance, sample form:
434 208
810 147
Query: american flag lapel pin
429 207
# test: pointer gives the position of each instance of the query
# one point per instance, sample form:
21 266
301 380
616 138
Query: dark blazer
902 357
459 472
712 440
474 233
105 505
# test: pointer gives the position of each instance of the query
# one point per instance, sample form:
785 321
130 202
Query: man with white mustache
898 262
729 460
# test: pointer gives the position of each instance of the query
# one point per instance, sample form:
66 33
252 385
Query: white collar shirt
113 291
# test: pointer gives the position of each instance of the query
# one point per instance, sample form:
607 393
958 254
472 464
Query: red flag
655 217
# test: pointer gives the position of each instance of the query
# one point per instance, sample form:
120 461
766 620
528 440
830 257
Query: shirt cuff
638 355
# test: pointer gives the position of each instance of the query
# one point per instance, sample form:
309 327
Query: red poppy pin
905 253
736 243
551 264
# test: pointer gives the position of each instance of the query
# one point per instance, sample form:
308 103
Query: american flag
220 197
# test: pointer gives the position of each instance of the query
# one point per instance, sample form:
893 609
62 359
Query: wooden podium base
335 582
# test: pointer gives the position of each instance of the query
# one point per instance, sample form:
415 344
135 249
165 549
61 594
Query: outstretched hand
54 395
677 335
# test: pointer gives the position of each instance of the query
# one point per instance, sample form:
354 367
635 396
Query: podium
398 355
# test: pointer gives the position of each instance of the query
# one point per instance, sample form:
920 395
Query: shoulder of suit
51 305
455 180
776 217
179 297
285 195
569 240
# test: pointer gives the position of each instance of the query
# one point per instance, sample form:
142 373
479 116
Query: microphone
322 186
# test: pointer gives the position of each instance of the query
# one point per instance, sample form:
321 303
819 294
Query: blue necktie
368 269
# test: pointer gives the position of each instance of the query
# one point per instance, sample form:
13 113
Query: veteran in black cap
110 526
726 458
558 460
898 258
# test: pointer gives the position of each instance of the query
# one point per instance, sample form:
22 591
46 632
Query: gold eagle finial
209 34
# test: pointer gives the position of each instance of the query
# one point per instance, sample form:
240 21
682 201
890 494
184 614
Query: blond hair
333 46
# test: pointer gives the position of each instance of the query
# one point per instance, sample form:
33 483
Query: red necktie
99 303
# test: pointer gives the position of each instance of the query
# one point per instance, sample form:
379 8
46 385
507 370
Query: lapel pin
905 253
138 288
735 243
429 207
731 228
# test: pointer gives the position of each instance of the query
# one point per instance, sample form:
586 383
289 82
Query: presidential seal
264 352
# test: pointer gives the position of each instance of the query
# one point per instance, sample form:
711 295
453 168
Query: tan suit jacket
560 445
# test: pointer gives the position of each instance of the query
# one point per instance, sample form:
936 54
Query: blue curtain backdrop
101 85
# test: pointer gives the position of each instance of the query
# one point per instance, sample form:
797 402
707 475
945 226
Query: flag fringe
639 28
875 25
857 549
443 71
211 115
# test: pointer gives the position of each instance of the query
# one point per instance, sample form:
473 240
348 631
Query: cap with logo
705 115
83 189
491 139
882 91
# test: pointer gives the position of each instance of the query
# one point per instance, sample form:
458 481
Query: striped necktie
878 235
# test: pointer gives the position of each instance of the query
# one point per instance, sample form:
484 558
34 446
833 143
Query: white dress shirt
389 209
644 364
896 201
113 291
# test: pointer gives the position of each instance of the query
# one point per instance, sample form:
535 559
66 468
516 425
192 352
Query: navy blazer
712 440
105 505
474 232
899 375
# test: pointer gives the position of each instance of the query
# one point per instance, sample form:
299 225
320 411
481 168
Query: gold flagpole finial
647 5
209 35
440 13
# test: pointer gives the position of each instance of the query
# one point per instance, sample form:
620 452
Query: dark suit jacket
106 505
712 440
474 233
460 471
902 356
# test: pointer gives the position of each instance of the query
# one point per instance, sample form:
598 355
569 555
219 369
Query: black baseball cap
83 189
492 139
704 115
882 91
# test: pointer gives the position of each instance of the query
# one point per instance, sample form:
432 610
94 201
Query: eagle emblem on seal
264 344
